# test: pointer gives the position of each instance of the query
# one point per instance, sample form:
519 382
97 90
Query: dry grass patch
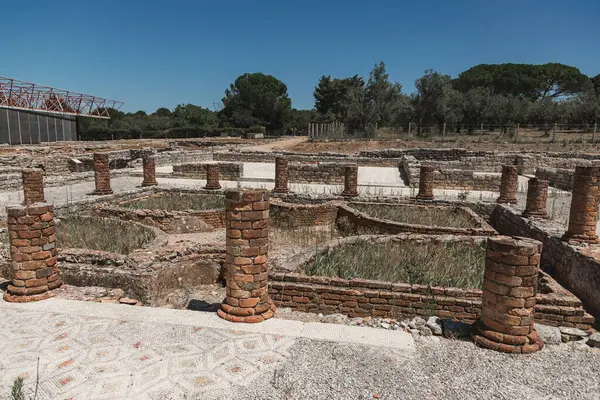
450 264
179 202
452 217
110 235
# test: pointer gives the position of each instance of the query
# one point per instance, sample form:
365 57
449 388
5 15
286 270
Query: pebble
435 324
549 334
594 340
569 334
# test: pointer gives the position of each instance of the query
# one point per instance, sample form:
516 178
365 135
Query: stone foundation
509 296
247 268
34 270
102 174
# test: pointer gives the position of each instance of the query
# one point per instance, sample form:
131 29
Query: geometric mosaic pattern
99 358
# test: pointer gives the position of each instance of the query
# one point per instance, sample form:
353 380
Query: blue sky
153 54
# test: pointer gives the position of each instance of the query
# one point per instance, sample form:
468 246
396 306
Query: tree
332 96
524 80
162 112
299 120
257 99
436 100
596 84
191 115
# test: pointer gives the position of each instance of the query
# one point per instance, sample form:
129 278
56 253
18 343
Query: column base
506 200
14 298
579 239
505 343
535 214
212 187
423 197
146 184
349 194
230 313
283 191
102 192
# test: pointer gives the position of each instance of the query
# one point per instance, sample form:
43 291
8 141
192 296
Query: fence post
594 133
409 127
480 131
517 134
554 132
444 132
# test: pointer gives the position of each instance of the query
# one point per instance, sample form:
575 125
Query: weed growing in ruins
430 216
437 264
179 202
102 234
4 241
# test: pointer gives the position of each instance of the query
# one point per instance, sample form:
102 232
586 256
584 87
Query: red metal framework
22 95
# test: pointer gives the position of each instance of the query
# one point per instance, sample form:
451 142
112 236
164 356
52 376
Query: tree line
490 94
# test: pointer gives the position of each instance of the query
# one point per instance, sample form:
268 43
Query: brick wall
296 215
575 268
361 298
227 171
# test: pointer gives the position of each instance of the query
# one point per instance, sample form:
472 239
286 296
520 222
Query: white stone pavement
110 351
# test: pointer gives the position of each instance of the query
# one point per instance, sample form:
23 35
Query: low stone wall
227 171
296 215
361 298
576 268
303 158
353 221
327 173
557 177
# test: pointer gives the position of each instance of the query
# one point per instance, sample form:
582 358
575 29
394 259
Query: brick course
212 177
583 215
149 171
281 175
508 184
350 180
537 197
33 186
34 271
425 183
509 296
246 263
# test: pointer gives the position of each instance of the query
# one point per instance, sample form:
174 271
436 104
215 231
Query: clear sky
153 54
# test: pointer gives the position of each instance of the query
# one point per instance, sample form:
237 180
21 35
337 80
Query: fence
27 127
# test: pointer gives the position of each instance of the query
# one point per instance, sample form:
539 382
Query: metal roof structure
15 94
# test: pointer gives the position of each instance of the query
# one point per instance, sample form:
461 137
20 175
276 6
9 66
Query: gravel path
446 370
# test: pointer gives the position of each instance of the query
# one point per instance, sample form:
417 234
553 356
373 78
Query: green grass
102 234
178 202
4 241
431 216
450 264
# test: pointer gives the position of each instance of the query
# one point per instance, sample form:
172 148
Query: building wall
29 127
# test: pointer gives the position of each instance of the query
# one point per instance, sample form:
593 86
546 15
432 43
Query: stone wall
559 178
576 268
303 158
327 173
228 171
296 215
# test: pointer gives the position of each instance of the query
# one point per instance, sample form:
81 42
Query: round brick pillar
350 180
508 184
149 168
34 271
246 264
101 174
583 216
537 196
425 183
509 289
281 175
212 177
33 186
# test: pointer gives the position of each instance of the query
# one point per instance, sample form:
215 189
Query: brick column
34 271
212 177
425 183
33 186
246 265
584 206
350 181
149 167
509 289
537 196
508 184
101 174
281 175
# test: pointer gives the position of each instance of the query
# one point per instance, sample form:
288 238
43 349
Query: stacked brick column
33 186
509 289
537 196
583 216
246 267
212 177
101 174
425 183
281 175
33 252
350 180
508 184
149 169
